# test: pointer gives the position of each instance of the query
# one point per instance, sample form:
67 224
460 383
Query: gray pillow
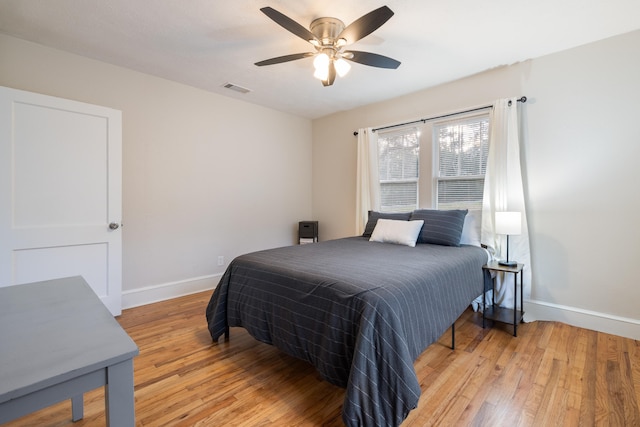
374 216
441 227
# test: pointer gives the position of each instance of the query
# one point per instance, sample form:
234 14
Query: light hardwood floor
550 375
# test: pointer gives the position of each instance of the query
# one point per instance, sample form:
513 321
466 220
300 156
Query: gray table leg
119 400
77 408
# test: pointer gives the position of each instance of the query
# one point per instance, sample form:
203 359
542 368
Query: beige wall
203 175
192 193
581 150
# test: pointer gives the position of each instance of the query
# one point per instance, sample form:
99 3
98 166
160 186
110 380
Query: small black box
308 230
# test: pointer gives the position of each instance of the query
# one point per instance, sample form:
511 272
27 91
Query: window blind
398 165
463 146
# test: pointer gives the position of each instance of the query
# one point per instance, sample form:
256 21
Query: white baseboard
165 291
601 322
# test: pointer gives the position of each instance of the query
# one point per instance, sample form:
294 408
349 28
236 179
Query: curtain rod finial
355 133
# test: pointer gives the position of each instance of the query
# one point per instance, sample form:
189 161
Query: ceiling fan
329 36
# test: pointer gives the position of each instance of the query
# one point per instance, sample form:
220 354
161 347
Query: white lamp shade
509 223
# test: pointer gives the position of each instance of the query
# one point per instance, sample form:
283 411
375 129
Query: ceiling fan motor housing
327 30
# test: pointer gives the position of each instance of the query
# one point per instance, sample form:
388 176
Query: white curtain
367 185
503 191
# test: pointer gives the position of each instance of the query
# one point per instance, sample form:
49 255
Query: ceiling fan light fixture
321 61
321 74
342 67
321 65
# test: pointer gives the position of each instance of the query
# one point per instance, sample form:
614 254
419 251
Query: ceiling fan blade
285 58
371 59
366 24
288 24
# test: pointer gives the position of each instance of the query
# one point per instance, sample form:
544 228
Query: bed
359 311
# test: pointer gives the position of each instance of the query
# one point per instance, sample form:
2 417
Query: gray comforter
361 312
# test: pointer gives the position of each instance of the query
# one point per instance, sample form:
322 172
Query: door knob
114 226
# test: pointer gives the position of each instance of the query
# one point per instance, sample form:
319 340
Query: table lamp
509 223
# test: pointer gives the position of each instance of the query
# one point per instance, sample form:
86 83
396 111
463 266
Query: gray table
58 341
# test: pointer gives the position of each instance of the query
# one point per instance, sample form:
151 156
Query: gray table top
55 330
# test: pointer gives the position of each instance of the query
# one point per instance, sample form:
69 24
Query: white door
60 192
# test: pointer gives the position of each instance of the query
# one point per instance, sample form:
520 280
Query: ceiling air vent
236 88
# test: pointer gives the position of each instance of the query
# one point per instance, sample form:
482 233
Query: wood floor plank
552 374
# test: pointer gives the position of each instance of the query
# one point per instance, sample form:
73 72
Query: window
398 153
462 148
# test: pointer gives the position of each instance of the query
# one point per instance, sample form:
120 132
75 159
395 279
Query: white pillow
397 231
471 230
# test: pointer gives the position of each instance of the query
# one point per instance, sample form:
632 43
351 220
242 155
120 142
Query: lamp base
508 263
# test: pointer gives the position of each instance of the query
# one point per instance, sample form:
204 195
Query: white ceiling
207 43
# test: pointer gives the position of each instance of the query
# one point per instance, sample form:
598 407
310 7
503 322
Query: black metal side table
500 314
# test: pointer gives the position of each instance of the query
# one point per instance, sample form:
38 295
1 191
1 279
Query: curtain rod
521 99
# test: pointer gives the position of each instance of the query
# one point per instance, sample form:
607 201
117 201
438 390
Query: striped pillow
441 227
